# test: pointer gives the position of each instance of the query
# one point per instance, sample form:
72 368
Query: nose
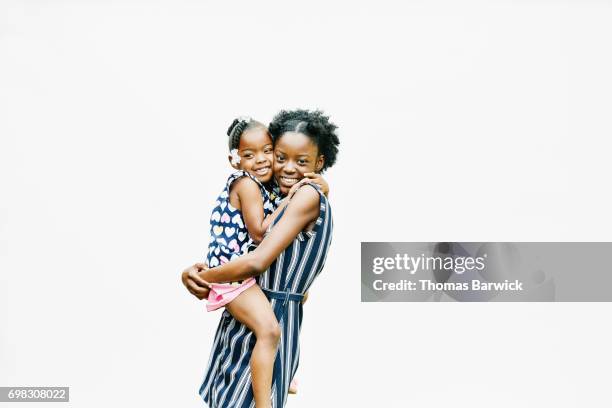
289 168
260 157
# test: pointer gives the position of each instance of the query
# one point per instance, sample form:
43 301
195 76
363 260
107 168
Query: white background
459 121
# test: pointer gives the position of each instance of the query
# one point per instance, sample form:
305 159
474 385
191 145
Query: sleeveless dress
227 381
229 239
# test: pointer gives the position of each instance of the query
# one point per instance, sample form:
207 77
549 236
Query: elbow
256 236
255 267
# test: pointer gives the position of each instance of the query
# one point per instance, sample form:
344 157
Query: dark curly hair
314 124
238 127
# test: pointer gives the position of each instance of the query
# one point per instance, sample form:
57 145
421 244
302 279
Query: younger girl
240 218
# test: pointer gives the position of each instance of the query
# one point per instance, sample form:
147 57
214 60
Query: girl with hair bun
240 218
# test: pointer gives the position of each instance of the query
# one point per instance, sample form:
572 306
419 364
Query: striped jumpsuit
227 382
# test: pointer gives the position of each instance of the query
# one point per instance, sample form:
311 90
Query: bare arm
270 218
318 179
313 178
303 210
252 208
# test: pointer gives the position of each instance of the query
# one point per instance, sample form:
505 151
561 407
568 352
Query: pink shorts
223 293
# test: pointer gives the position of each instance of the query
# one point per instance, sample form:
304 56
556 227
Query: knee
269 332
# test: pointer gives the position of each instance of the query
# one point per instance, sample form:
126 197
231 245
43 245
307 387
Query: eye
268 150
301 162
280 158
248 156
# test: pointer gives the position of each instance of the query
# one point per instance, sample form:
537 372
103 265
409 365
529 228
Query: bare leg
253 309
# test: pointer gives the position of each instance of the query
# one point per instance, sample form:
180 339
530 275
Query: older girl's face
294 155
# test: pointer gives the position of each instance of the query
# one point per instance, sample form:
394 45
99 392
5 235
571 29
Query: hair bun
229 129
235 130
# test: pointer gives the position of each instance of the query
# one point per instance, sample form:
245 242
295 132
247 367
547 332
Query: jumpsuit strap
284 296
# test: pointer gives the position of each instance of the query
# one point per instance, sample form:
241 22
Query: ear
229 159
320 163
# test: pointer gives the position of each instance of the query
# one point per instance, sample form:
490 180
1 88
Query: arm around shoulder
300 212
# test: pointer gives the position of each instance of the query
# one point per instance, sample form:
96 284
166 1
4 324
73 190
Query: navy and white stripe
227 382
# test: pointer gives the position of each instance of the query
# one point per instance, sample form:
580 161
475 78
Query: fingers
197 286
301 183
187 284
193 273
197 279
297 185
317 179
197 290
313 178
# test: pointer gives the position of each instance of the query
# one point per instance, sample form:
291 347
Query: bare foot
293 387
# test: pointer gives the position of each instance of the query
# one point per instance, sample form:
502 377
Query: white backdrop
459 121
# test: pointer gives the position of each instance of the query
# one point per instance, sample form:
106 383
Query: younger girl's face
256 154
294 155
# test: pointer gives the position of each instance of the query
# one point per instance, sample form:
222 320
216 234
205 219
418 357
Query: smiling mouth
288 181
263 171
